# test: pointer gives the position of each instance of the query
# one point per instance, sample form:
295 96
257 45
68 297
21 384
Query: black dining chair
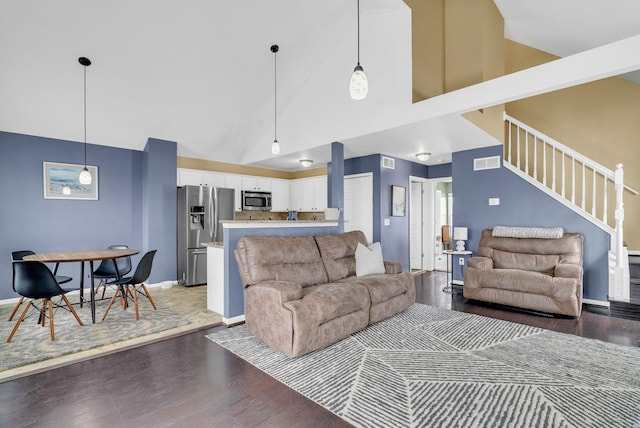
19 255
33 280
134 285
107 273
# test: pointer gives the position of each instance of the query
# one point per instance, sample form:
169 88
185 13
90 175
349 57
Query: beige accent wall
230 168
427 44
598 119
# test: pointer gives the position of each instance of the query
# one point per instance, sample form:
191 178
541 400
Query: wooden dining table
83 256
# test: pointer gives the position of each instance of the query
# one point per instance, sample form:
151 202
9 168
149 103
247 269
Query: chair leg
135 300
146 292
115 296
15 309
53 336
15 327
43 313
75 314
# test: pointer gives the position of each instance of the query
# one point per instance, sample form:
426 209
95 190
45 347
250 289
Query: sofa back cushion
280 258
532 254
339 253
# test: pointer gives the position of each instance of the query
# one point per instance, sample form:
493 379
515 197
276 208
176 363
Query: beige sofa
531 273
301 292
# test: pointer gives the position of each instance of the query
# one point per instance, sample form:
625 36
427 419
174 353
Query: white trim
234 320
457 282
595 302
270 224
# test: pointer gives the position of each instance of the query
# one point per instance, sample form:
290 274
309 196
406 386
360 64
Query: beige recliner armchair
531 273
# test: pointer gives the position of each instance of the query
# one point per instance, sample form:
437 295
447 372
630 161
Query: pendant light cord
275 95
358 32
85 116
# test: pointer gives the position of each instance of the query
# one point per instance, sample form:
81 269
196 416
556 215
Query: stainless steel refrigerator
199 210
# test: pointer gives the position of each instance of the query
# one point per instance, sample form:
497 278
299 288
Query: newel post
621 290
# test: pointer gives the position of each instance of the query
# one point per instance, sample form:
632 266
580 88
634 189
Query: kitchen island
224 286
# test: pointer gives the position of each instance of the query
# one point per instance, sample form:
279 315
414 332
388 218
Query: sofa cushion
534 254
280 258
381 287
529 282
338 253
325 302
369 259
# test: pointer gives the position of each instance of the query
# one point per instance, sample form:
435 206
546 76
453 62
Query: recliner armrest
482 263
392 267
568 271
286 290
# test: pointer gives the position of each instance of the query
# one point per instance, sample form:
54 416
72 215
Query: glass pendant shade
275 148
85 176
359 85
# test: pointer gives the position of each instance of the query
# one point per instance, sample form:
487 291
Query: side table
450 253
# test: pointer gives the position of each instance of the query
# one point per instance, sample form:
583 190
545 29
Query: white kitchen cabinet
320 193
233 181
280 195
309 194
195 177
256 183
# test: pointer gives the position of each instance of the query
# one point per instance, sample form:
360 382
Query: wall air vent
388 162
492 162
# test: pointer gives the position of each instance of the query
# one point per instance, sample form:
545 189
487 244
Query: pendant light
85 175
275 146
359 85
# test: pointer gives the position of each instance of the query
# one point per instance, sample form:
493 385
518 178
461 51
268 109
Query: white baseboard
234 320
457 282
87 289
595 302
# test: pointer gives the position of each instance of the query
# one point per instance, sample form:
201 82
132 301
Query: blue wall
233 289
394 238
521 204
31 222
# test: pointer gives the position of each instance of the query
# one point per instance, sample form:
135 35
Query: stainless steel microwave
256 201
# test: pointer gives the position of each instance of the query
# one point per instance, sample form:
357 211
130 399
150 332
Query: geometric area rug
432 367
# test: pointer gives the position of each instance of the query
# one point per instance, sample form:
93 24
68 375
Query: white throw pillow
369 259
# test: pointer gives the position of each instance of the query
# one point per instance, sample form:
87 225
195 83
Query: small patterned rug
431 367
32 344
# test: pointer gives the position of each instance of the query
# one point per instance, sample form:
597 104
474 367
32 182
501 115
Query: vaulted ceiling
201 73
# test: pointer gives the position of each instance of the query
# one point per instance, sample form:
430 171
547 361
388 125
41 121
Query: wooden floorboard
189 381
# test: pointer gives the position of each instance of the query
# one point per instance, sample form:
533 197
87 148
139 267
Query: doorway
431 202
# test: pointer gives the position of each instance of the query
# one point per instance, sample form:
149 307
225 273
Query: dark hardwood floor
189 381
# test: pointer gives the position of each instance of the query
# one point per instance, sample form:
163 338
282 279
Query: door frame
428 218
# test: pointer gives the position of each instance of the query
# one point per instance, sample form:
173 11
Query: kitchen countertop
280 221
213 244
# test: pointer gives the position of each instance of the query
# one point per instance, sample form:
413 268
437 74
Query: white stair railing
581 182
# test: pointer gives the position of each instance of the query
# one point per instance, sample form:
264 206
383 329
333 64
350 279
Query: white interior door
358 204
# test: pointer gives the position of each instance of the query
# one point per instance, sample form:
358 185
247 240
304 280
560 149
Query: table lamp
460 235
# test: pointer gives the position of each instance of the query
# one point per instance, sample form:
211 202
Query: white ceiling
201 73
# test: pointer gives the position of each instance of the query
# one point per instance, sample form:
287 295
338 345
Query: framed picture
61 181
398 201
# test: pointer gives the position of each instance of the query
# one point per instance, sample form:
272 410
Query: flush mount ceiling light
275 146
359 85
423 156
85 176
306 162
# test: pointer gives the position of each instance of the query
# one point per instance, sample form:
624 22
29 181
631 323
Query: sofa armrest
284 290
482 263
392 267
568 271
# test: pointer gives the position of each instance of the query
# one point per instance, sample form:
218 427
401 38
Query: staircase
630 308
583 185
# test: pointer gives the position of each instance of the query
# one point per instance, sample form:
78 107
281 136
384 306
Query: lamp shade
460 233
359 85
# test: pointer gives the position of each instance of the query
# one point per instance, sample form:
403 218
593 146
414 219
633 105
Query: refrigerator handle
214 226
212 207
